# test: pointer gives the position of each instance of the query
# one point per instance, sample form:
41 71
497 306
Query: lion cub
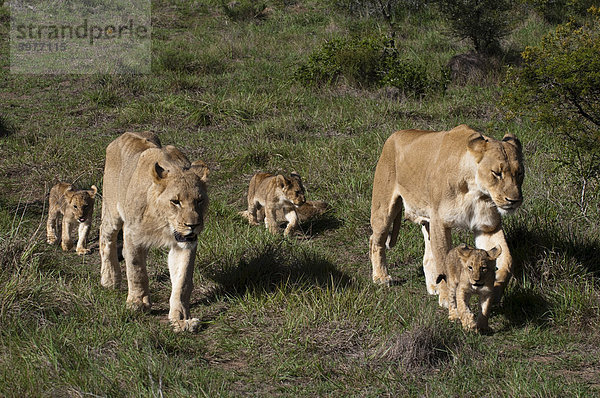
269 193
469 271
75 206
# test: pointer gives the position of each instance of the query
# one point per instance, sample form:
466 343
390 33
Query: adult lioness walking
158 198
444 180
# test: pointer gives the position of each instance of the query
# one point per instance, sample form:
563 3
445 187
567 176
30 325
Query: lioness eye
470 268
75 206
175 202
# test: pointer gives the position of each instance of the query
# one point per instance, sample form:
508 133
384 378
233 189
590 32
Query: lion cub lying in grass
268 194
75 206
469 271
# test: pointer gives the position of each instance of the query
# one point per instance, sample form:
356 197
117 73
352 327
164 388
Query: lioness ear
93 190
281 181
513 140
201 170
494 253
158 173
477 145
296 176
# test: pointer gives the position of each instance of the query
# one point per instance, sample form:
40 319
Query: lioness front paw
186 325
383 280
139 304
82 251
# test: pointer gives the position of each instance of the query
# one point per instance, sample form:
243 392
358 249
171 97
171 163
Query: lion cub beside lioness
269 193
469 271
76 207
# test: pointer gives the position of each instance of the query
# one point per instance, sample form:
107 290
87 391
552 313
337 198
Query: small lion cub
268 193
469 271
74 206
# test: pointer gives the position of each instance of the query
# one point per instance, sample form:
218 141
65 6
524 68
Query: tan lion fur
159 199
469 271
444 180
268 194
76 208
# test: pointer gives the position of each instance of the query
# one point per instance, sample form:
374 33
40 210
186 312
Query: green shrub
364 62
244 10
483 22
559 86
557 11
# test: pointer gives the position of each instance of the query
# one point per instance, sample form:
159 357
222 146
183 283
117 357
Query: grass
296 317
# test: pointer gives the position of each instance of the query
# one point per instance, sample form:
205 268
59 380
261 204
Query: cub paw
83 251
51 241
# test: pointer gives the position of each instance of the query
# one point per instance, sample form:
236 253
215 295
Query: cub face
80 204
500 170
292 188
183 200
479 265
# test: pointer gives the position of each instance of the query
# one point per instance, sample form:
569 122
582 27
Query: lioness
444 180
75 206
469 271
158 198
269 193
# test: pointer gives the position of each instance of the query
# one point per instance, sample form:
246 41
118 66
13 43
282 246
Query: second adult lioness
269 193
444 180
158 198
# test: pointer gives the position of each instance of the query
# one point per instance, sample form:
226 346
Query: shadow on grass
320 224
276 265
6 127
544 254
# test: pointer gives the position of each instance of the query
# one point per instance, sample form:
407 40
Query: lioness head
81 203
182 198
479 264
292 188
500 170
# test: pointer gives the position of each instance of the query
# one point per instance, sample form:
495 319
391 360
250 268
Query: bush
390 10
364 62
483 22
559 86
557 11
244 10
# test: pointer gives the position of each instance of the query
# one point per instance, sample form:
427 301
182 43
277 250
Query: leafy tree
559 86
483 22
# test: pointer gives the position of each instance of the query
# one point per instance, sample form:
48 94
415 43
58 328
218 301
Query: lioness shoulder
76 208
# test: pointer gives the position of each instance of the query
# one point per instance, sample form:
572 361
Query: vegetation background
247 86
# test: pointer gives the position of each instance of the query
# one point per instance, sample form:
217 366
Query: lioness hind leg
383 214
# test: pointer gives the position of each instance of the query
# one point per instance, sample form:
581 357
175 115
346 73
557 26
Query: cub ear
93 191
69 192
494 253
280 181
296 176
464 251
477 146
158 173
201 170
513 140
